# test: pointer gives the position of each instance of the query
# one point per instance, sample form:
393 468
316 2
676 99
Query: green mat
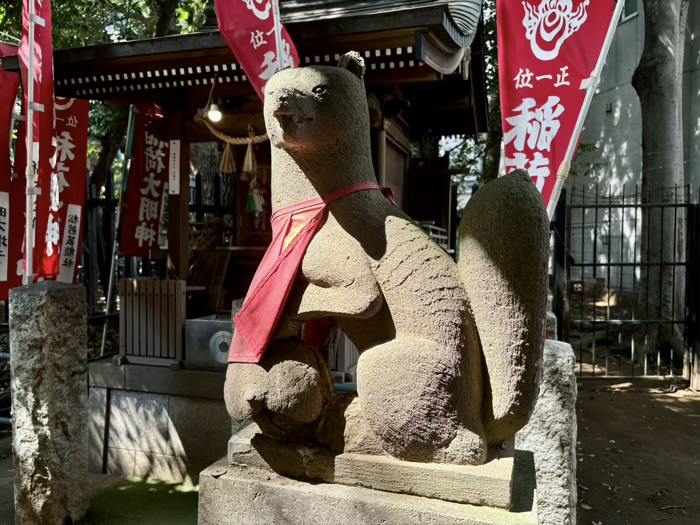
135 501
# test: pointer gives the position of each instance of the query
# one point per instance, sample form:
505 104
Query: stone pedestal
551 436
48 344
489 485
240 495
250 492
247 487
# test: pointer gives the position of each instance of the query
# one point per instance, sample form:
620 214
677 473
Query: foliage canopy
79 23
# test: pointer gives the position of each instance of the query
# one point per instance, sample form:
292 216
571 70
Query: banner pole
278 32
29 172
591 85
131 123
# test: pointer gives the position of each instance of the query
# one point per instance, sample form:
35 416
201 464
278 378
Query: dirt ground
638 453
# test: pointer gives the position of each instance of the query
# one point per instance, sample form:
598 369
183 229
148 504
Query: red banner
62 241
18 195
248 26
9 87
43 125
145 190
547 52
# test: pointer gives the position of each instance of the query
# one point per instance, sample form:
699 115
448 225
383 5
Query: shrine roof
431 47
464 15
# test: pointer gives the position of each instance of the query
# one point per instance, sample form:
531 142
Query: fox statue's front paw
285 394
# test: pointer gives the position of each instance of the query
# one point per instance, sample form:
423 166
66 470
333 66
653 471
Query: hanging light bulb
214 114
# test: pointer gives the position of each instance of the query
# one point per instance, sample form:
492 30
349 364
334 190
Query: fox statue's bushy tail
503 250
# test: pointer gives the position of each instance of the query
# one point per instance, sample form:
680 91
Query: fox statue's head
317 106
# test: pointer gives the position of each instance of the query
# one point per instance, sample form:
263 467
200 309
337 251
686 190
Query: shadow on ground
638 453
134 501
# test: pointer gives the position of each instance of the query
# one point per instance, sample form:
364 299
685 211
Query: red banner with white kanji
248 26
62 245
145 190
547 52
18 196
9 87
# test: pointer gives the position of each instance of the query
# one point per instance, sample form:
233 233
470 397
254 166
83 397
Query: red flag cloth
145 188
18 194
43 126
9 87
547 51
68 181
249 30
293 228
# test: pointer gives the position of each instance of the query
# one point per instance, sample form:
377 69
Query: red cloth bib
293 228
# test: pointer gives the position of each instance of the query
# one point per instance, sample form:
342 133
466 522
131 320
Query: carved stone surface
232 494
504 244
448 365
551 437
48 341
489 484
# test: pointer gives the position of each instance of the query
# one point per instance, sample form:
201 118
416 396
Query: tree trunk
658 81
110 146
492 148
166 15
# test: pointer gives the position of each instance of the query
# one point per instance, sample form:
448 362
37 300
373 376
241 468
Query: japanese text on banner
547 51
249 26
146 187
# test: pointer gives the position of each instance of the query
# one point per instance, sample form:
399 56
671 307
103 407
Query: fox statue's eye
319 90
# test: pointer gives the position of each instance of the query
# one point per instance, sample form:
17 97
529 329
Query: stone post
48 346
551 436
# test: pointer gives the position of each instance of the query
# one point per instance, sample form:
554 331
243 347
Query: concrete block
190 415
97 411
105 374
171 438
140 421
160 466
164 380
551 437
48 342
243 495
171 469
120 462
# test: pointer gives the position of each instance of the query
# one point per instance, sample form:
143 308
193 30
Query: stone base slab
241 495
488 484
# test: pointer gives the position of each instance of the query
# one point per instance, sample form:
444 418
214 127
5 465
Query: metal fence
627 297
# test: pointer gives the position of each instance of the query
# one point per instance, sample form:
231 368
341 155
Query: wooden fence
151 321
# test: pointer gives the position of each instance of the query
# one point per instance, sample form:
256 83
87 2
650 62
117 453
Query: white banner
69 249
174 187
4 234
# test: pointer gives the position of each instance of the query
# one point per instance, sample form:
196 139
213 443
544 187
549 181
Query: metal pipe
278 32
6 421
29 170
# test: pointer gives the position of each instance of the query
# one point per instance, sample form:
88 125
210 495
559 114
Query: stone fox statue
450 354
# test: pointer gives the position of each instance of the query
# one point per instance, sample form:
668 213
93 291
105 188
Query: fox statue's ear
353 62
